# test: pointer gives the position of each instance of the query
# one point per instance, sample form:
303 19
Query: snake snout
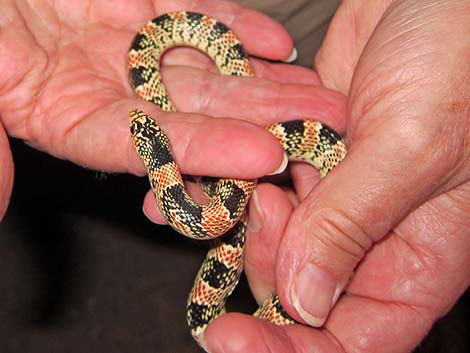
139 122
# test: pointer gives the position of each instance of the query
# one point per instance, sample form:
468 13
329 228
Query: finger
269 211
278 205
285 73
236 333
6 172
152 211
347 36
355 206
368 326
278 72
102 141
262 102
261 35
396 163
400 280
427 251
248 335
304 178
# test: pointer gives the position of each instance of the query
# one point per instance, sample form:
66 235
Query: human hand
64 88
6 172
390 225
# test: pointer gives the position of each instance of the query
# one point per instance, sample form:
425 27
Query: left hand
393 216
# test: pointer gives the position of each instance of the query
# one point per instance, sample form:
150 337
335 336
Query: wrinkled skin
64 89
390 226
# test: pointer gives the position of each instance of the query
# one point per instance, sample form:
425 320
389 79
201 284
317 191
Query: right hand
390 225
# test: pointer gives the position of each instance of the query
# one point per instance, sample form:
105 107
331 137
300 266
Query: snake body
223 217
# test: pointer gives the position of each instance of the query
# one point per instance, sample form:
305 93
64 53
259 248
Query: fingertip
292 57
238 333
269 211
312 294
304 177
151 210
216 339
256 215
226 148
263 36
202 342
282 167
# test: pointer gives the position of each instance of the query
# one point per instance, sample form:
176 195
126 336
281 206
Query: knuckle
335 233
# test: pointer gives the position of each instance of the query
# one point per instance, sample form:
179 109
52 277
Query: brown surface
81 269
306 21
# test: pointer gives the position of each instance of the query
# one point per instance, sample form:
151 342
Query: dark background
82 270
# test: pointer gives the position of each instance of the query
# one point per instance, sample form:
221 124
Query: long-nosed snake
223 217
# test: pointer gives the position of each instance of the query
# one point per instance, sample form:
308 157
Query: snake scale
223 217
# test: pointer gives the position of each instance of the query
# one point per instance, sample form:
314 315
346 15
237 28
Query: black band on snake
224 216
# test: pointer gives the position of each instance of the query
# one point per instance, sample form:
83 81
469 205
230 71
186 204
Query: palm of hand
70 95
64 89
74 80
396 292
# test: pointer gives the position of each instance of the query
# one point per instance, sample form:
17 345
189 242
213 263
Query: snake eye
136 127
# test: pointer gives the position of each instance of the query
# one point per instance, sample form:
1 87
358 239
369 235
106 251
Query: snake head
151 143
142 125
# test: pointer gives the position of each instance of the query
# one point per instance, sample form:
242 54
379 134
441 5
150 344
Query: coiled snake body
223 217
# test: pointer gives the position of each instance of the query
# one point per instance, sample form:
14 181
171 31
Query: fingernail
282 167
312 294
338 292
292 57
255 223
202 343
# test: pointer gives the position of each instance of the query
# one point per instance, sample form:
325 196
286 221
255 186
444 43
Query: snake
223 218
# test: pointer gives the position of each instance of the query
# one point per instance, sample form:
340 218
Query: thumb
6 172
356 205
407 146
